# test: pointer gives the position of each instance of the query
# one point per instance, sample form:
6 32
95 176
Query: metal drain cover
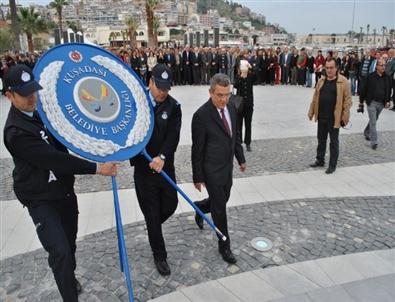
261 244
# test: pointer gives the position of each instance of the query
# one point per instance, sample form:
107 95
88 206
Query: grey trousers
374 110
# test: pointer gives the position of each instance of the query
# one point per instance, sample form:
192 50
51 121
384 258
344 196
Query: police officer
157 199
44 178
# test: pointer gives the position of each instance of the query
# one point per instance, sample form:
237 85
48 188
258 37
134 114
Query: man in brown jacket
331 107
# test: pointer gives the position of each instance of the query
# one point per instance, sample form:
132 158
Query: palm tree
155 27
392 33
374 36
58 5
150 6
124 34
367 33
360 35
383 29
112 37
132 25
30 23
14 22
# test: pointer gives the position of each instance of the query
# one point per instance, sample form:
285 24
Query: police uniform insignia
93 103
25 77
164 115
165 75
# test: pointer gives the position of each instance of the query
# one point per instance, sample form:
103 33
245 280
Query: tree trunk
14 23
152 41
30 42
60 21
132 39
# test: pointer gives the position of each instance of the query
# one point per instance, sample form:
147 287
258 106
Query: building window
141 33
161 33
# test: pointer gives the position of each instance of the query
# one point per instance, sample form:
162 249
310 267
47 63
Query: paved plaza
329 225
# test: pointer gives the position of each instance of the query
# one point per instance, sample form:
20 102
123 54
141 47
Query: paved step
360 277
97 209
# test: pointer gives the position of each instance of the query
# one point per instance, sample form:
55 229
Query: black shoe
367 138
78 286
248 148
374 147
317 164
162 267
227 255
330 170
199 221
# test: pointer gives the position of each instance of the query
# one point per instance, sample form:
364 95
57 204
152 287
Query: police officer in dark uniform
223 62
157 198
44 178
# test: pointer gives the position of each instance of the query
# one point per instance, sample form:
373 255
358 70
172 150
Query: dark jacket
212 147
244 88
367 92
36 153
165 136
310 64
171 62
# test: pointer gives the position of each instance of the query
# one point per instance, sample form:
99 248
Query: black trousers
216 204
158 201
246 115
284 74
325 127
196 74
56 226
301 76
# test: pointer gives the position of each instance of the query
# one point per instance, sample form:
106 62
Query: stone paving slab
305 229
293 287
269 156
249 287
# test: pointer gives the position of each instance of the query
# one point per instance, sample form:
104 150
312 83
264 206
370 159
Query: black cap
162 76
20 79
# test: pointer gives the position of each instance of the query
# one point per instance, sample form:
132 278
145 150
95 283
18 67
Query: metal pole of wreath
99 109
123 256
174 185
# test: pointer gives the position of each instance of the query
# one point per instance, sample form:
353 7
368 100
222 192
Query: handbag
238 102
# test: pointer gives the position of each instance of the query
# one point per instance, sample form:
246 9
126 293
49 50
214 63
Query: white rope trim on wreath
69 132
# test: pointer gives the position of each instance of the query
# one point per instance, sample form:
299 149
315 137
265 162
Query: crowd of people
196 65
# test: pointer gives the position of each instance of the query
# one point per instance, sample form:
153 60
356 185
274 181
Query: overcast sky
316 16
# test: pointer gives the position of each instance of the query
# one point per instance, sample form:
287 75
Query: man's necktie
225 122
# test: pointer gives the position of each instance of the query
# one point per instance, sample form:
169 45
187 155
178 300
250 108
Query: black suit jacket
196 59
165 136
171 61
212 147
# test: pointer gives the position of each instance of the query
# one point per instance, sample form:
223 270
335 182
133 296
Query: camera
360 108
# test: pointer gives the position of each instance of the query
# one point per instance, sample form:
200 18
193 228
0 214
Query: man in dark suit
157 198
187 65
212 59
170 61
285 61
215 140
196 60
